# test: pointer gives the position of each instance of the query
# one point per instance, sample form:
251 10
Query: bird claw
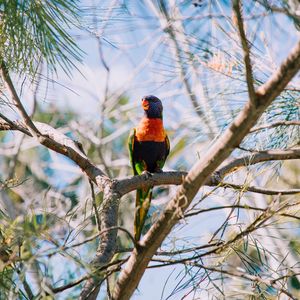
158 170
147 174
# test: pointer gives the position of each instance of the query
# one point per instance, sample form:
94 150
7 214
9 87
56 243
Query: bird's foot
147 174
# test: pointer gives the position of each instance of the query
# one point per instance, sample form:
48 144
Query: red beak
145 104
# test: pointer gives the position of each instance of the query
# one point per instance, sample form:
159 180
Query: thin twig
118 263
95 205
12 125
275 124
259 190
70 285
243 275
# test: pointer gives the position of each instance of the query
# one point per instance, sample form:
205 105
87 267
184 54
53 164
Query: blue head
152 107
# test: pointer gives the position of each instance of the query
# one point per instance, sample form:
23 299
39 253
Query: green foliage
295 282
33 30
285 108
6 282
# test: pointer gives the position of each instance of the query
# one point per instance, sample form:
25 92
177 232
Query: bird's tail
142 204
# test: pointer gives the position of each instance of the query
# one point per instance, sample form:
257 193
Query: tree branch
259 190
107 246
95 205
69 285
237 206
275 124
59 289
232 137
126 185
7 124
60 143
17 102
258 157
245 45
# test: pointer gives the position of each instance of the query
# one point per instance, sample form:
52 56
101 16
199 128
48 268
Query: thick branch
107 245
126 185
60 143
245 45
114 190
48 136
232 137
279 80
258 157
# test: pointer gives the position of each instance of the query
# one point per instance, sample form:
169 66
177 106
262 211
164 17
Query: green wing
131 149
137 166
167 141
142 205
161 163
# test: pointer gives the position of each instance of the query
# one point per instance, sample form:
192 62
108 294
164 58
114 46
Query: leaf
32 31
295 282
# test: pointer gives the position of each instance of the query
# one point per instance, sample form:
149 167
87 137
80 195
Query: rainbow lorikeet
149 147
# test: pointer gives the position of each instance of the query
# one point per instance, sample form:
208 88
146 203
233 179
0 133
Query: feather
142 205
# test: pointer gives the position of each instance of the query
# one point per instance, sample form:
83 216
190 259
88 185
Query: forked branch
197 176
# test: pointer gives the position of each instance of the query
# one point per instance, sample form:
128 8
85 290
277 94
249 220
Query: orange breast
150 130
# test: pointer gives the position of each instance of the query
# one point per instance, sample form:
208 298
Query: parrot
149 147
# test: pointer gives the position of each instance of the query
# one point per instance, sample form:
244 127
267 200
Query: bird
149 146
